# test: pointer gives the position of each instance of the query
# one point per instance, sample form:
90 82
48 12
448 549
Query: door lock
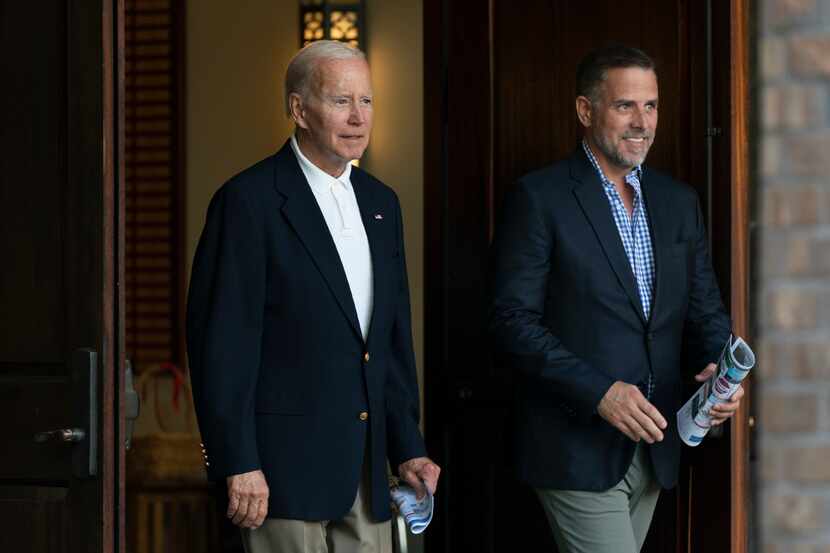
83 418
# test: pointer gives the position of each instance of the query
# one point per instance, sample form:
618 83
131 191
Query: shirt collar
319 180
632 178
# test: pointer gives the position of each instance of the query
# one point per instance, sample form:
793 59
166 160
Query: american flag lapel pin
378 216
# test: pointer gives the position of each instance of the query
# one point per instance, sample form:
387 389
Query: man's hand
247 499
625 407
722 411
420 469
706 373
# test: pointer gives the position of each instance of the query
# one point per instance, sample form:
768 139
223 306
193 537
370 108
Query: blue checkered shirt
634 234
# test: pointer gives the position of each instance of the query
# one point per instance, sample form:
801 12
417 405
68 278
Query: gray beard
615 156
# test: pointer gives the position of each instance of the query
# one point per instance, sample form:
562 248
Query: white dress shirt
338 203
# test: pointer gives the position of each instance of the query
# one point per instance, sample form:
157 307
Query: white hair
301 68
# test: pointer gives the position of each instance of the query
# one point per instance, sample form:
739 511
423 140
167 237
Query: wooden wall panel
154 182
173 519
33 186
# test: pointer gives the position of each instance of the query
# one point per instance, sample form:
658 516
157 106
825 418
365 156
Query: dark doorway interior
503 106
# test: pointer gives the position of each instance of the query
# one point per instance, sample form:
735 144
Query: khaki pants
613 521
356 532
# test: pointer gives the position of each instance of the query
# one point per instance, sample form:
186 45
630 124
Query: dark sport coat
567 317
282 378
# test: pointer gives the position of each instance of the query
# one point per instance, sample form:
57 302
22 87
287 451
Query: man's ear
297 108
584 110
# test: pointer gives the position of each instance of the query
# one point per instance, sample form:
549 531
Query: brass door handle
64 435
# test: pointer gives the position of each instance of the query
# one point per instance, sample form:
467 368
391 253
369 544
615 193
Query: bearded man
601 278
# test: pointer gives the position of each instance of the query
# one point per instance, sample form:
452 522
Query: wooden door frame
113 358
103 120
740 174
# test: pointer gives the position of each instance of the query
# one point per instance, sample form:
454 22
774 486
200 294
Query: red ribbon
178 382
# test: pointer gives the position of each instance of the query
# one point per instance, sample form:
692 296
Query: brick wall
792 296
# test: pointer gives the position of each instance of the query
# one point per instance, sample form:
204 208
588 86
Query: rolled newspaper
416 512
694 419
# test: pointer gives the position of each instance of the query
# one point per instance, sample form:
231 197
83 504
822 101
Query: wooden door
503 107
59 337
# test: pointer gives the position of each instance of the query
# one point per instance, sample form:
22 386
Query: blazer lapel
369 204
594 203
303 214
656 217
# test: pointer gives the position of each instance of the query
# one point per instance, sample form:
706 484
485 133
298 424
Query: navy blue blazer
280 371
566 316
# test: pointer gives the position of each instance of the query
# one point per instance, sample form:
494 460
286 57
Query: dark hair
593 68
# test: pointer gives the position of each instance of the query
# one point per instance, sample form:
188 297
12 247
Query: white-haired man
299 331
